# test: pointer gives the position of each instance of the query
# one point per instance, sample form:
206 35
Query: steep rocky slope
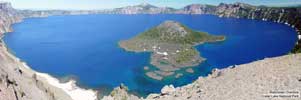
8 16
286 15
280 76
16 81
141 9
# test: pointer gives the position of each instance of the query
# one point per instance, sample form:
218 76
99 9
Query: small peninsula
172 46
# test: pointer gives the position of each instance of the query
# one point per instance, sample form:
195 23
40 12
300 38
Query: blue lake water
85 46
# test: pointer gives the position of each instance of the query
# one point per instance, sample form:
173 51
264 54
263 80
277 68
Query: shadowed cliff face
287 15
8 16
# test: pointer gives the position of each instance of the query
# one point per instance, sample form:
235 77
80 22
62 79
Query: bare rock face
120 93
141 9
19 83
8 17
197 9
173 28
168 89
227 10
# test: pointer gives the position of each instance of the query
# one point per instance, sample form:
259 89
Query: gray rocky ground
20 83
260 80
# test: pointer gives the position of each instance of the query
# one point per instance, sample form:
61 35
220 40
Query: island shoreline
73 82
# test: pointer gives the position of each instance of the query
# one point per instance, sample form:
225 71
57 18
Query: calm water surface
85 47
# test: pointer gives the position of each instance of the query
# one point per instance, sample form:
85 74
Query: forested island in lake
172 46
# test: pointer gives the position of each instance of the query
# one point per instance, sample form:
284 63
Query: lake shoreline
70 87
125 50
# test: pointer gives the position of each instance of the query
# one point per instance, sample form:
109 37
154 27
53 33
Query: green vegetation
172 46
163 62
186 55
296 49
162 34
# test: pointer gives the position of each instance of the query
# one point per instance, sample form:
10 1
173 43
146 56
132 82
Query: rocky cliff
140 9
287 15
8 16
17 82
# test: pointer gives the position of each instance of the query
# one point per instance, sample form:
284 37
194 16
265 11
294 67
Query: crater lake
85 47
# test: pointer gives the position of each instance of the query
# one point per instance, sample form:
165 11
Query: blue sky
107 4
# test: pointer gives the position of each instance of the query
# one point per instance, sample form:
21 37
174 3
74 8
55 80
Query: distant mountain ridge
287 15
144 8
